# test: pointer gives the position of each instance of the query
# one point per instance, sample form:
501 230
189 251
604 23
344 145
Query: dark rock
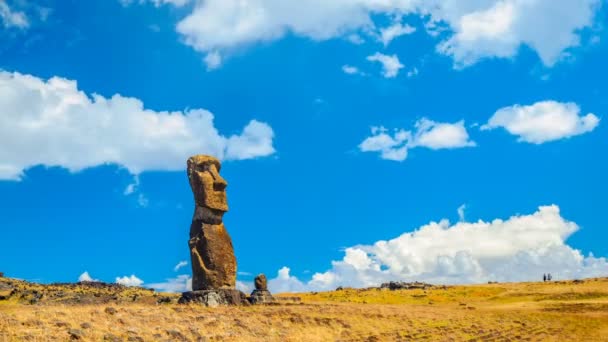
61 324
261 283
110 310
176 335
164 300
6 291
211 250
214 298
398 285
85 325
111 338
292 300
76 334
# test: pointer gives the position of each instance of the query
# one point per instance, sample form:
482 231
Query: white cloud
500 28
436 135
246 287
388 34
429 134
351 70
86 277
284 282
179 265
543 121
52 123
11 18
390 64
520 248
413 72
474 29
461 210
181 283
129 281
213 60
157 3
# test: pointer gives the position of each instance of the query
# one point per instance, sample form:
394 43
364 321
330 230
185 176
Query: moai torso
213 260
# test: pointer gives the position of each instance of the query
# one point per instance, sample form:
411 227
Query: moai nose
219 183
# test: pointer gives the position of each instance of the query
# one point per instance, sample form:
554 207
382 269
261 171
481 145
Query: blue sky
349 131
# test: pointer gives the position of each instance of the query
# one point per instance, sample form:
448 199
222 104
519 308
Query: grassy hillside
558 311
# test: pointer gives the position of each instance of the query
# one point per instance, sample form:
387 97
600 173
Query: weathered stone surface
261 295
261 283
214 298
211 250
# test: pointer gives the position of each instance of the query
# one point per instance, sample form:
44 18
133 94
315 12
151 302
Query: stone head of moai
209 188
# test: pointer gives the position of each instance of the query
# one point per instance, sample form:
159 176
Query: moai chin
211 251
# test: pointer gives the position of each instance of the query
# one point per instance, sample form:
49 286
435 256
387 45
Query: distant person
544 277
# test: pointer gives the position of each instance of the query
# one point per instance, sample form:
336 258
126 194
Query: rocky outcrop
213 260
399 285
261 295
214 298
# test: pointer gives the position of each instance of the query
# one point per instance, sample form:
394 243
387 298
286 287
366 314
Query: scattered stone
110 310
135 339
76 334
164 300
86 325
291 300
61 324
6 291
398 285
176 335
112 338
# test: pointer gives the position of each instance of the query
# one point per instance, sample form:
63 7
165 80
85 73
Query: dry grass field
557 311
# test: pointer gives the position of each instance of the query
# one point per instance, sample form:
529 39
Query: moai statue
213 261
211 251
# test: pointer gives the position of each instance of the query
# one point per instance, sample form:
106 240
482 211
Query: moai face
208 186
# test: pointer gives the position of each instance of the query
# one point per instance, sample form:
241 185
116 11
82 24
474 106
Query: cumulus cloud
474 29
52 123
86 277
285 282
520 248
129 281
213 60
157 3
179 265
181 283
461 210
351 70
543 121
388 34
11 18
390 64
246 287
427 133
